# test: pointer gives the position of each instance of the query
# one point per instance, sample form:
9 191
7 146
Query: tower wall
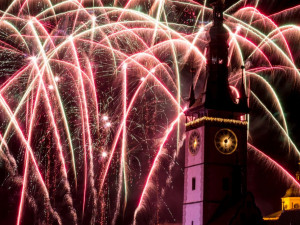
211 177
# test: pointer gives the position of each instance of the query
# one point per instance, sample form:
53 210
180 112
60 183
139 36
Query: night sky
267 183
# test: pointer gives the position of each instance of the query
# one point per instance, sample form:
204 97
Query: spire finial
192 98
298 172
243 96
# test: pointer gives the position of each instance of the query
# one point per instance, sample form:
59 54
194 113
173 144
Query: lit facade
289 203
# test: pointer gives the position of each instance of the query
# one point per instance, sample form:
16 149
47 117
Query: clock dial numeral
226 141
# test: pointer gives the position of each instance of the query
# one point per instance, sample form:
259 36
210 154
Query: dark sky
269 6
267 184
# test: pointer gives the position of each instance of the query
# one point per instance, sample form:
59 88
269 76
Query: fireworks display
92 94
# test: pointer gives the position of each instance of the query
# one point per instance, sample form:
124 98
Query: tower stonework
215 167
216 140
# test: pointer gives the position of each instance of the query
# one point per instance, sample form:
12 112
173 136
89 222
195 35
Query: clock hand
225 143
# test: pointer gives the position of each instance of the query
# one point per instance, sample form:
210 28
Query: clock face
194 142
226 141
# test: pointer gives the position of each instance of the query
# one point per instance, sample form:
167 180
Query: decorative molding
214 120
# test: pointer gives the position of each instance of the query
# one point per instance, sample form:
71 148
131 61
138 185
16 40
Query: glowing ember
104 154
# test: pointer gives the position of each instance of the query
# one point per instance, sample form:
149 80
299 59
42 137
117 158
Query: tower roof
292 192
217 94
298 173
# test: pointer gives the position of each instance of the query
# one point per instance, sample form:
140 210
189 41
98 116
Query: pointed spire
298 172
217 93
218 7
192 98
242 90
243 96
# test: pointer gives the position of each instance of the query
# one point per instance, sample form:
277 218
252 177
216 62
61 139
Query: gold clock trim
205 119
226 141
194 142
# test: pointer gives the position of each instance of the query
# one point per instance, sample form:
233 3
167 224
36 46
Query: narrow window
225 184
193 183
192 222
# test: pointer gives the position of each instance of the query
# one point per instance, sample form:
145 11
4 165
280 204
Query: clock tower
216 139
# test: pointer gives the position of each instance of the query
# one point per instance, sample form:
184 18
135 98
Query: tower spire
218 94
298 172
243 101
192 98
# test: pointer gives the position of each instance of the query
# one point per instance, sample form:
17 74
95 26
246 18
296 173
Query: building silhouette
290 207
215 177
